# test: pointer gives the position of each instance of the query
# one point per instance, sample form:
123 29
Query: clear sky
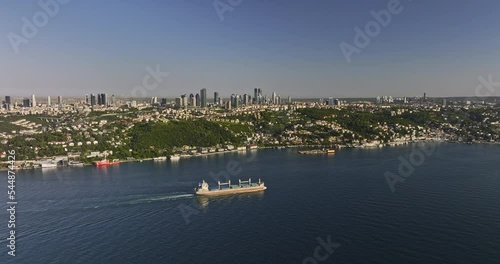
290 47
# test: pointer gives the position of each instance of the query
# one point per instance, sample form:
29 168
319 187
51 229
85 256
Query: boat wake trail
99 203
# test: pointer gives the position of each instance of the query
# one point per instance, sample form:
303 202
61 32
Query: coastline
185 156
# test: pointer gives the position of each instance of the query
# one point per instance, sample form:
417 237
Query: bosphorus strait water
446 211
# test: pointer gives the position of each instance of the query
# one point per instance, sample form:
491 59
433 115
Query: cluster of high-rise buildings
235 100
99 100
9 104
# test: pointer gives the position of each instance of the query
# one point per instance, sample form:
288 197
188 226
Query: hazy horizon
288 47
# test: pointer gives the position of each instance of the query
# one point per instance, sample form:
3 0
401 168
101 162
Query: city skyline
293 48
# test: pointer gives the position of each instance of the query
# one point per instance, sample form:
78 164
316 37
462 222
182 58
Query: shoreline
184 156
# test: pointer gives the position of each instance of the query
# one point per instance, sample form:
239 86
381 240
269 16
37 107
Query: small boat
49 164
75 163
175 157
227 188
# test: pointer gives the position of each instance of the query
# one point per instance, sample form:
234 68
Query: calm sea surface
446 211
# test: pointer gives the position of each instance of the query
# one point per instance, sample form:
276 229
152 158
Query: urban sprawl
92 127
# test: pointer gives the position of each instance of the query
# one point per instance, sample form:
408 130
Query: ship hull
101 163
231 191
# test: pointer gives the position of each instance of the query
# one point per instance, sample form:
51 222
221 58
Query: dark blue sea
444 207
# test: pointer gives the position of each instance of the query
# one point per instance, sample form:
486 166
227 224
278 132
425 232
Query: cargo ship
227 188
106 162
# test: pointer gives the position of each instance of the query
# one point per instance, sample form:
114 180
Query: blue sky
287 46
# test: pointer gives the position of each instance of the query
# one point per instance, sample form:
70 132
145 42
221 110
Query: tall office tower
203 93
289 99
330 101
87 99
255 95
7 99
278 99
26 102
183 100
59 100
112 99
264 101
92 100
273 98
221 102
425 96
228 105
178 102
154 100
163 101
216 97
444 102
99 99
192 100
246 99
259 96
337 102
48 100
104 99
198 99
33 100
232 99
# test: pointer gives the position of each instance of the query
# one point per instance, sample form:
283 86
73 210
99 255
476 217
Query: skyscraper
87 99
7 99
26 102
92 100
255 96
203 93
99 99
216 97
104 99
198 99
273 98
48 100
192 100
33 100
246 99
178 102
59 100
